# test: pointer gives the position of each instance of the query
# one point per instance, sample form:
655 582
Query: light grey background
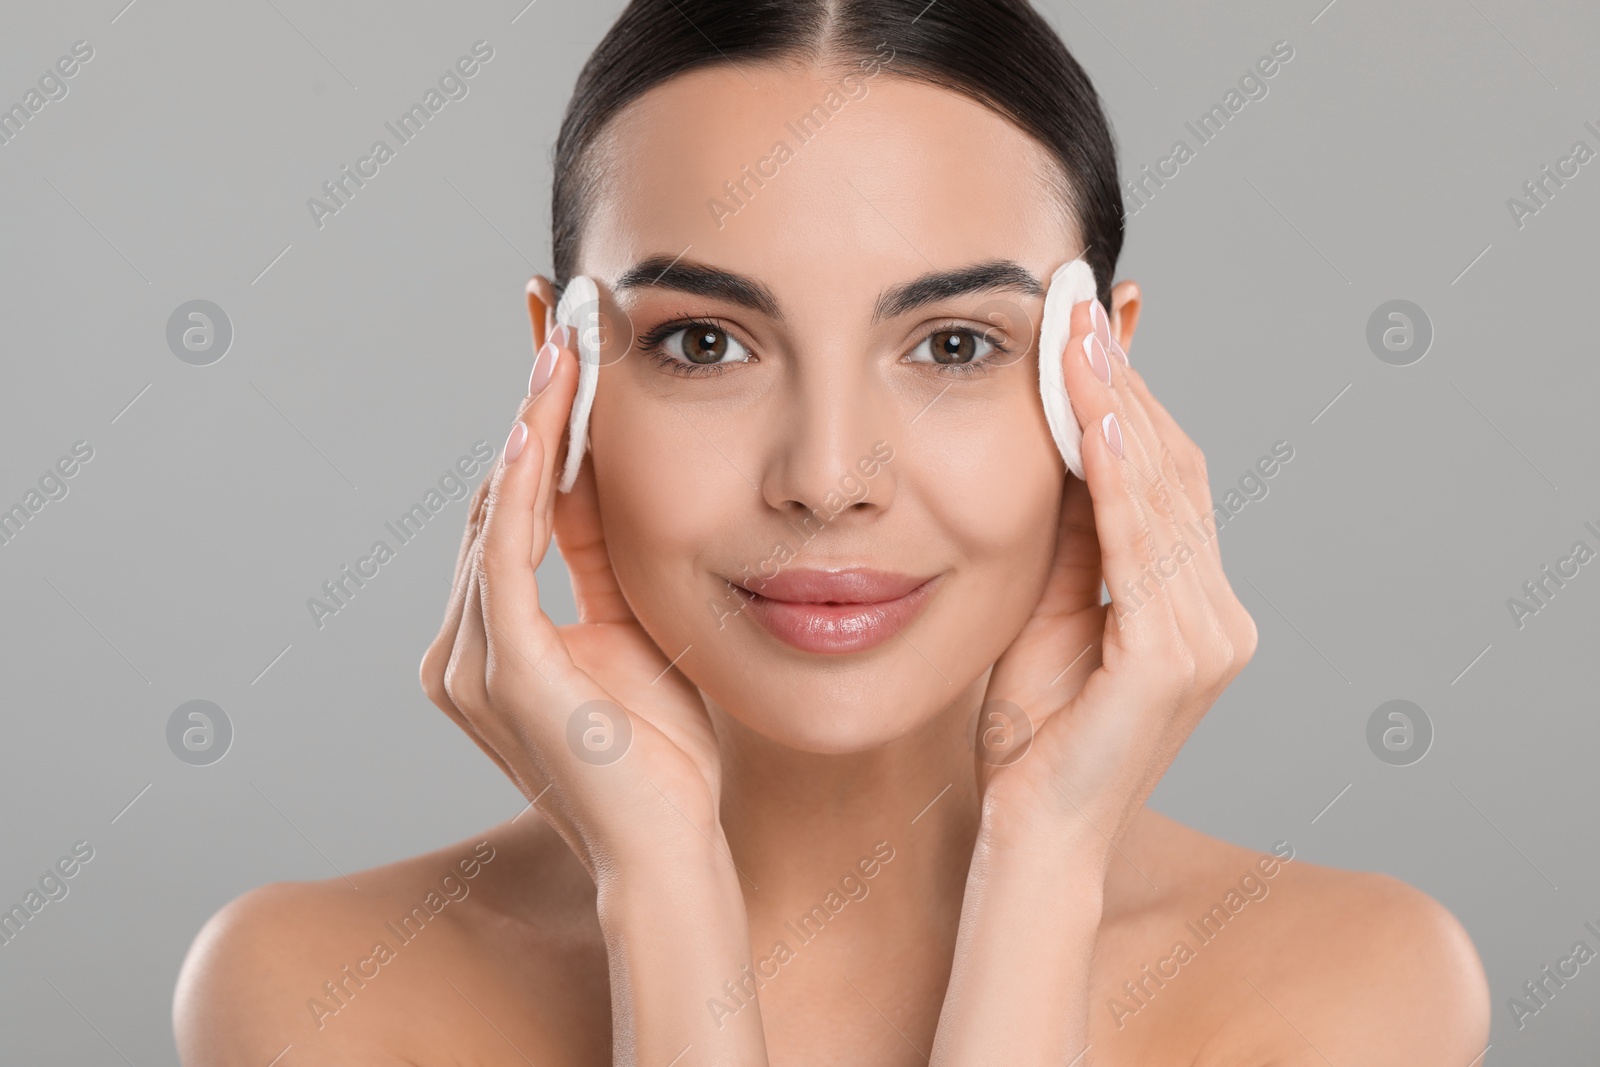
371 354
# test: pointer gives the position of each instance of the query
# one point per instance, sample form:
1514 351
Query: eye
694 347
955 348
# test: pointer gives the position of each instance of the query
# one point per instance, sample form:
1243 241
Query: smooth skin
1021 896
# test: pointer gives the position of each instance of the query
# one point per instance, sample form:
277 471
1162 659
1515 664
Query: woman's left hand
1084 712
1088 706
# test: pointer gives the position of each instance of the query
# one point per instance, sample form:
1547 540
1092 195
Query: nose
830 445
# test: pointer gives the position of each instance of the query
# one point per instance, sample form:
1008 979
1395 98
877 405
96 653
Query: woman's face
824 412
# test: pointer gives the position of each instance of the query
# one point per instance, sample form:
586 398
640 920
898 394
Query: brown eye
704 344
701 344
952 346
957 349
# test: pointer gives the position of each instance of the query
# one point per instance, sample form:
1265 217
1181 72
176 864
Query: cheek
993 487
991 472
664 496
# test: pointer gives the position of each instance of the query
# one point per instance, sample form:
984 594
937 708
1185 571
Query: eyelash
650 344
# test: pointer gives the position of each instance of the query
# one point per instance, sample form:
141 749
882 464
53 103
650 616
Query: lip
839 611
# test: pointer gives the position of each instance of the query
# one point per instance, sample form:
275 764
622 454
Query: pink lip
837 611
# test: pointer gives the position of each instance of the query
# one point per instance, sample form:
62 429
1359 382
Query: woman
846 760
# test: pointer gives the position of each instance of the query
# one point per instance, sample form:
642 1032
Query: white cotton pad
579 308
1069 285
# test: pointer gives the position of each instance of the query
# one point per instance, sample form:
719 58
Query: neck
800 825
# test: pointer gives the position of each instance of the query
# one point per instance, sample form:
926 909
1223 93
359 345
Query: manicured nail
1118 350
1097 358
544 366
1102 323
1113 432
514 442
562 336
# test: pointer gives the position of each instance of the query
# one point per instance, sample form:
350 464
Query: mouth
836 612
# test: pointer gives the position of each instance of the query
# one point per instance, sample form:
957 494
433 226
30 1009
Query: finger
469 538
1214 625
1166 489
1123 523
1076 570
580 538
437 656
1176 573
1226 615
1136 580
522 639
469 652
1187 457
1194 574
548 410
459 628
573 518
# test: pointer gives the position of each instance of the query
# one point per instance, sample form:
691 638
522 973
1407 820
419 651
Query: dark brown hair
1000 53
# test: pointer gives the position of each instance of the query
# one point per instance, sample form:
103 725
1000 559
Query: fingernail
544 365
562 335
1101 321
514 442
1118 350
1113 432
1097 358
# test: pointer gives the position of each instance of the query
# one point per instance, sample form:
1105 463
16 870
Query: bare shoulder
389 963
1294 962
1361 966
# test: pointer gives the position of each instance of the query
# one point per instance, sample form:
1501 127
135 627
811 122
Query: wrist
672 843
1020 985
669 878
1058 846
677 936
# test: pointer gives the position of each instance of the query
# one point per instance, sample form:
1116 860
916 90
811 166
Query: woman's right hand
592 721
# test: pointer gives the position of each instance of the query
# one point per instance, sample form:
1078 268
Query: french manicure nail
1101 321
515 440
544 365
1113 432
1119 351
562 335
1097 358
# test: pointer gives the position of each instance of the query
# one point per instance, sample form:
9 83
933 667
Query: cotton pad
581 301
1071 284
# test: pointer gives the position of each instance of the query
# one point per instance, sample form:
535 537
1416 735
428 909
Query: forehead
806 177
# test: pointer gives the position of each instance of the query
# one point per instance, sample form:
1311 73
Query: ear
541 309
1125 303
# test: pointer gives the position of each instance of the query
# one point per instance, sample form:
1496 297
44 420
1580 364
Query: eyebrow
662 272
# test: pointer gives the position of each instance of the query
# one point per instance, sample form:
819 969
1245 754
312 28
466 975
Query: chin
834 709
